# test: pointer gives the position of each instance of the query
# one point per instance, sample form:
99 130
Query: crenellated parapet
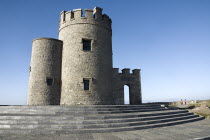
91 16
129 78
126 72
86 58
132 80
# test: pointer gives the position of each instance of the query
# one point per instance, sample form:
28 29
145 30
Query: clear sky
168 39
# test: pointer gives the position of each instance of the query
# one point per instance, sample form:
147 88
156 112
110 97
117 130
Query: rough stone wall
73 64
78 64
45 62
132 80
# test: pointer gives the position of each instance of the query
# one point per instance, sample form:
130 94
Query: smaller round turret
45 72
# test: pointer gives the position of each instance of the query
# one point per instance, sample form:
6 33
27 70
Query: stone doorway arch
126 94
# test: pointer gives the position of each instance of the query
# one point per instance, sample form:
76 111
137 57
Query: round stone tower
45 72
87 57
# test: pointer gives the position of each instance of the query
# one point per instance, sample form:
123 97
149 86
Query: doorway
126 95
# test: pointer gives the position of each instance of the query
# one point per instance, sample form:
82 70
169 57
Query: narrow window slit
86 84
49 81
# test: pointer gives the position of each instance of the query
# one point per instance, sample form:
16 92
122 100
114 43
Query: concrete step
101 130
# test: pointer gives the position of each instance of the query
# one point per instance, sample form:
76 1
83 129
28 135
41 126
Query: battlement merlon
115 71
136 71
97 12
126 71
91 16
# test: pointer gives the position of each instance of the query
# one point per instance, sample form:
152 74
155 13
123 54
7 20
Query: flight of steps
88 119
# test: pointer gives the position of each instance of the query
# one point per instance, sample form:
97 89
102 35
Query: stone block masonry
132 80
77 69
45 72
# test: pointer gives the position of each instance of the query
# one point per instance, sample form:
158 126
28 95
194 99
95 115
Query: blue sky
168 39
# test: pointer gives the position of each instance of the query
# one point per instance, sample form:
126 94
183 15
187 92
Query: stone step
83 119
136 119
79 106
65 121
111 112
144 114
78 124
135 123
62 109
101 130
90 116
75 109
84 112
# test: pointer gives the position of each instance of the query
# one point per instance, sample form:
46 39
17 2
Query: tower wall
132 80
77 64
45 72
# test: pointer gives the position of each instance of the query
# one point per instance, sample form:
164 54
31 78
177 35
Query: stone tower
45 72
87 57
77 69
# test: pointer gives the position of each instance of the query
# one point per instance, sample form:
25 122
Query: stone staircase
88 119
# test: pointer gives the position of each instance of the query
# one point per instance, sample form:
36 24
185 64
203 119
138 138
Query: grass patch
196 105
203 114
208 103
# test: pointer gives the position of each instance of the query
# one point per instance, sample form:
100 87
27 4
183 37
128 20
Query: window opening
49 81
86 45
86 84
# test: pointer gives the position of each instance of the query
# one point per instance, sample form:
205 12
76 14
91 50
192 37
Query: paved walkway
196 130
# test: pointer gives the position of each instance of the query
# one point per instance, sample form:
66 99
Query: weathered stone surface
88 119
45 63
199 130
106 84
130 79
78 64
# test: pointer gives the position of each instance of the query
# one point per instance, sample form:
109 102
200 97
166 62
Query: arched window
126 95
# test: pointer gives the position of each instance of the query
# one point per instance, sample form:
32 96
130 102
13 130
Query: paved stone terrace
199 130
